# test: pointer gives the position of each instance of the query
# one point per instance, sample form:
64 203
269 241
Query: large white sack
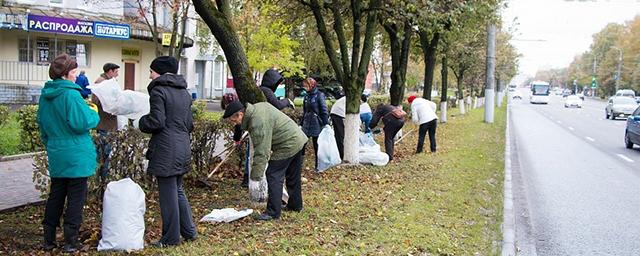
122 216
328 154
374 158
116 101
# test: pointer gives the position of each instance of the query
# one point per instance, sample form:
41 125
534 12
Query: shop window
25 53
46 49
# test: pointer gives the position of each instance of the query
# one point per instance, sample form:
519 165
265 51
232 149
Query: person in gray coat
170 123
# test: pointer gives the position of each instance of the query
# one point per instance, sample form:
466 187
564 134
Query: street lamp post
619 66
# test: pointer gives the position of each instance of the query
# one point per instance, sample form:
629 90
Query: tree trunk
429 51
219 22
445 86
399 60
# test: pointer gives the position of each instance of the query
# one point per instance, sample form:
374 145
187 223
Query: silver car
620 107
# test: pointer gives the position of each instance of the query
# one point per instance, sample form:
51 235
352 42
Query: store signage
13 21
110 30
60 25
166 39
78 27
130 54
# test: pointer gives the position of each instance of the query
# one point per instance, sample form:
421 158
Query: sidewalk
16 185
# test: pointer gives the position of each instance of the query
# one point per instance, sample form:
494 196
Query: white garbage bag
226 215
123 216
374 158
116 101
328 154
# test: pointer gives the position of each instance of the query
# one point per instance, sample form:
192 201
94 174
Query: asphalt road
576 187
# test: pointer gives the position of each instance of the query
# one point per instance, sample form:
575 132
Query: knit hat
411 98
61 66
232 108
164 64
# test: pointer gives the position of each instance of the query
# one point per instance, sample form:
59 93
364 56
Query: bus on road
540 91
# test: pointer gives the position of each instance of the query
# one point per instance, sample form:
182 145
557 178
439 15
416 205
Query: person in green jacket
278 141
65 119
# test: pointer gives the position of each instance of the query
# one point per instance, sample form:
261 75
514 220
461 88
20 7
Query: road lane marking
589 138
625 158
570 128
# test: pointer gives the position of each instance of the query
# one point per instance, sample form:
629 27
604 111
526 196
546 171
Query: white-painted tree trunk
351 136
461 106
499 99
443 112
475 102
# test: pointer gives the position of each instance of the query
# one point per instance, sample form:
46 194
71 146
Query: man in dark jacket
277 141
270 82
393 122
170 122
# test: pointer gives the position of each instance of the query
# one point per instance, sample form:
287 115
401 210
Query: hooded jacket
170 123
270 82
273 134
64 120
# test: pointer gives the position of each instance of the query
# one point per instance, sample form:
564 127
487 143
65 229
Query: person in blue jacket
64 120
83 82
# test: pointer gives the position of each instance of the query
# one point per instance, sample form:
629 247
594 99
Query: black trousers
74 192
424 128
391 128
315 149
277 171
175 210
338 128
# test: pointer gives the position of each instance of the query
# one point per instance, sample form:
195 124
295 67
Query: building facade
33 32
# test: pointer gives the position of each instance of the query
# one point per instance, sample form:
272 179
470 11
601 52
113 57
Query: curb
19 156
508 222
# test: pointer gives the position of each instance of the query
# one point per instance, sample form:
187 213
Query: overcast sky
550 33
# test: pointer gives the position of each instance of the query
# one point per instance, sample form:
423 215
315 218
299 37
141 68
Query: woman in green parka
65 119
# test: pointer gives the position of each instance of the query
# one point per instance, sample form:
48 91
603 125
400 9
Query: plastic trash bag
226 215
116 101
123 216
374 158
328 154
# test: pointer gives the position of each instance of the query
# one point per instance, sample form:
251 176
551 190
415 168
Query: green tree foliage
266 38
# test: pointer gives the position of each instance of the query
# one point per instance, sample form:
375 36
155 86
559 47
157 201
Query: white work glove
258 190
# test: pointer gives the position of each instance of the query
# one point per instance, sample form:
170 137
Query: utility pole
619 66
489 90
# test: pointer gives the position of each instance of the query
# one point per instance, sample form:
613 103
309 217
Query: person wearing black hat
270 81
278 141
170 123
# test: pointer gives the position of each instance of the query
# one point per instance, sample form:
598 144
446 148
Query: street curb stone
19 156
508 222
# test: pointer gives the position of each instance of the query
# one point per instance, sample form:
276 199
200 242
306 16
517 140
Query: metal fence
21 72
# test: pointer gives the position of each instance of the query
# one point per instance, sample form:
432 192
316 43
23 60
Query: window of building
25 53
46 49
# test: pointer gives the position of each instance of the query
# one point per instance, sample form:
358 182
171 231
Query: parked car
626 93
620 106
573 101
516 94
632 133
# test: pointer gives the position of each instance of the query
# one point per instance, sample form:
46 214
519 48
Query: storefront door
129 76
